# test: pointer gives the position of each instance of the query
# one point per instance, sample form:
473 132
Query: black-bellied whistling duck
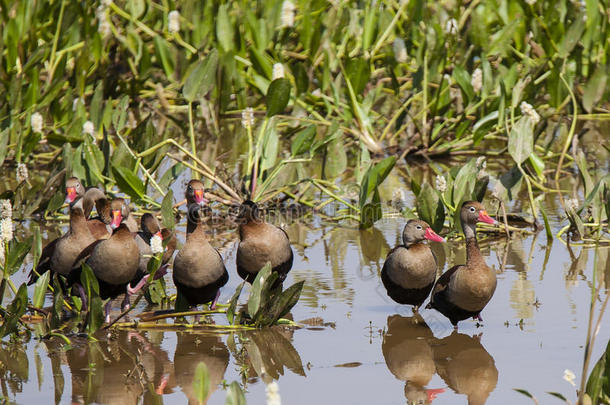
119 209
260 243
60 254
199 271
114 262
464 290
91 197
408 354
465 366
150 230
409 271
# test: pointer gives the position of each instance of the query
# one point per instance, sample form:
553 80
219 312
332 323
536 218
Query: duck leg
478 317
107 311
82 295
126 304
213 304
160 273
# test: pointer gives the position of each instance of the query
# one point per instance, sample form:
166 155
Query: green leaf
538 165
271 148
430 207
571 37
201 383
4 138
167 210
14 311
284 303
521 140
119 116
224 29
463 185
164 55
558 395
335 160
374 176
463 79
547 225
36 246
278 95
128 182
95 315
202 78
371 212
594 89
40 289
235 395
524 392
358 71
254 301
598 382
233 304
303 140
16 254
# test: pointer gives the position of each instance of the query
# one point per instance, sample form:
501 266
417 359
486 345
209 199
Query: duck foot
126 304
107 311
213 304
162 271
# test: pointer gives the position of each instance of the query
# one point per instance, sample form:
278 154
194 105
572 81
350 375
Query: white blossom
530 2
2 251
273 393
529 111
22 173
6 229
481 164
36 122
441 183
173 21
103 26
106 3
317 93
6 209
451 26
477 80
572 204
89 128
288 10
247 117
569 376
278 71
400 50
156 244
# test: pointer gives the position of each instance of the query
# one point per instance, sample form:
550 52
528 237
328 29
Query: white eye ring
418 227
472 209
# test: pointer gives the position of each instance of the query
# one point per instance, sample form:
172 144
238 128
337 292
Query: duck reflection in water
193 348
467 368
122 369
409 356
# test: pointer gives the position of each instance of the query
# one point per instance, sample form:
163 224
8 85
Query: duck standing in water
260 243
464 290
409 271
199 271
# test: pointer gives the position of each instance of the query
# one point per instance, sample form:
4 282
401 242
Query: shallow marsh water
362 347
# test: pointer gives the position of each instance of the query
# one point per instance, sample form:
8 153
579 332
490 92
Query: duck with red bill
464 290
409 270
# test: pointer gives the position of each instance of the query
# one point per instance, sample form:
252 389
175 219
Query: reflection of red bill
70 194
431 235
483 217
433 393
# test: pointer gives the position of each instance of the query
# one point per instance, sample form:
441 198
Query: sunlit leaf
40 289
594 90
202 78
303 140
14 311
521 140
278 95
224 29
374 177
254 301
430 208
233 304
167 210
128 182
598 382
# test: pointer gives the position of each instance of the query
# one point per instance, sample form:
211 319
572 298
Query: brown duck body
409 271
464 290
199 271
149 227
260 243
68 247
114 262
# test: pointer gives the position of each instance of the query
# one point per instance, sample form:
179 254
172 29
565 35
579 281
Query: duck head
74 189
416 231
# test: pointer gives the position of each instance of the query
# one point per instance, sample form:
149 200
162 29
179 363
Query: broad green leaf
284 303
119 116
95 315
235 395
202 78
521 140
370 24
303 140
374 177
224 29
16 254
162 50
167 210
538 165
335 160
254 301
594 89
201 383
571 37
14 311
371 212
128 182
58 303
598 382
463 79
271 148
4 138
358 71
95 109
278 95
36 246
233 304
300 78
464 182
430 207
40 289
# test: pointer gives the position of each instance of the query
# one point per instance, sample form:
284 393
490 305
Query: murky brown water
363 348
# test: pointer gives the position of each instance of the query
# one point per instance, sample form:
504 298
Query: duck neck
473 253
78 222
194 228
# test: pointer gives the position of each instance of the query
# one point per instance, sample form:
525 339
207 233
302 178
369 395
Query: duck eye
472 209
418 227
